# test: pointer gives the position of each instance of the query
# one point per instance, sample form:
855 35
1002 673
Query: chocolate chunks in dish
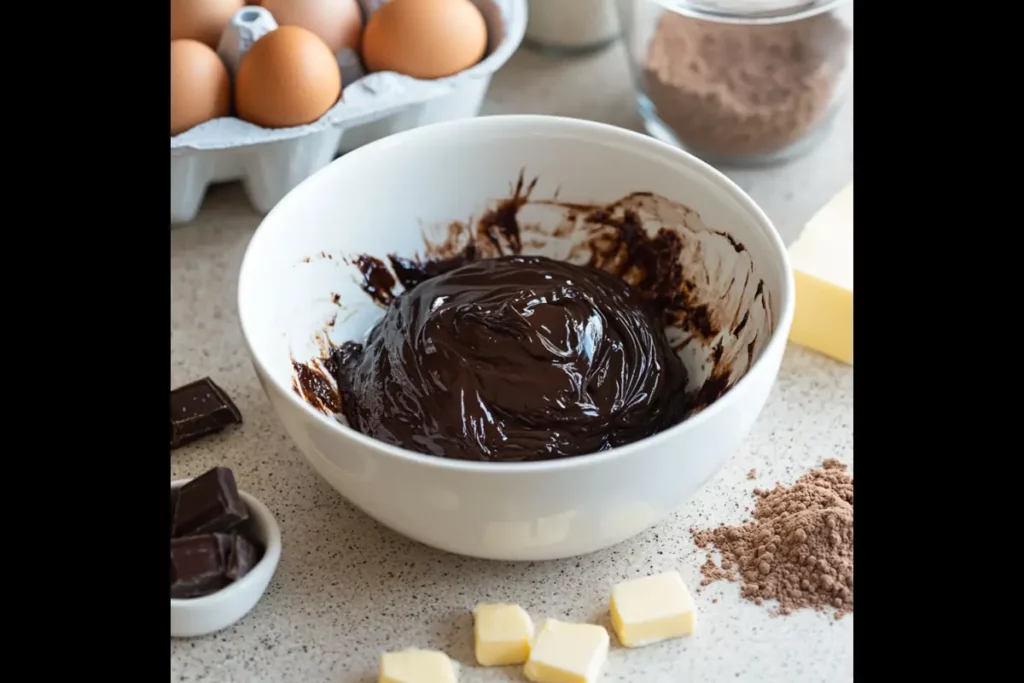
199 409
199 565
210 545
208 503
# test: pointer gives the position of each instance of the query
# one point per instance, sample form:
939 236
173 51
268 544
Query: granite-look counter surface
347 588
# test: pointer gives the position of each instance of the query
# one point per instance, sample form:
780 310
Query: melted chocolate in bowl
485 352
513 358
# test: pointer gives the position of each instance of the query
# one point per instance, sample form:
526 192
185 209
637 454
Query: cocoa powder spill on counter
798 549
744 89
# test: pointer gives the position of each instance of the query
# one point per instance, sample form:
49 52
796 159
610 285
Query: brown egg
339 23
289 77
424 38
202 20
200 85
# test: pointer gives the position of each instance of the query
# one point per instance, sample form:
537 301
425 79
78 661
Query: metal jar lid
751 11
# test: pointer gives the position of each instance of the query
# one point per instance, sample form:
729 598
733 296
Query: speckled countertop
347 588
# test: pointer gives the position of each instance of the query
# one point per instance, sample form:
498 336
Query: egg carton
272 161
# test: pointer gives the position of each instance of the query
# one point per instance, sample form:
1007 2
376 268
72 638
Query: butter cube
501 634
652 609
822 260
416 666
567 653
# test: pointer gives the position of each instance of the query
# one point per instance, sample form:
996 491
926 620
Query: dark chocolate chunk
243 555
199 409
208 503
198 565
174 501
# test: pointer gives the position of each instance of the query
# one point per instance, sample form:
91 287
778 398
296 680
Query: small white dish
211 613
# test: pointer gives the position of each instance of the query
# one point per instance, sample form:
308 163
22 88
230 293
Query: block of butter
501 634
652 609
567 653
822 260
416 666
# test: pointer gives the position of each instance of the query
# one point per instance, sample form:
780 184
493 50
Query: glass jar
571 27
739 82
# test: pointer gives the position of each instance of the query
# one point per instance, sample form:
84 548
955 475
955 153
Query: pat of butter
567 653
416 666
501 634
652 609
822 260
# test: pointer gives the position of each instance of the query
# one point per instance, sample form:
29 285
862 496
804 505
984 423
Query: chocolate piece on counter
198 565
208 503
243 555
199 409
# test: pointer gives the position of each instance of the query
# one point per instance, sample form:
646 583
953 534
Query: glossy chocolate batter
512 359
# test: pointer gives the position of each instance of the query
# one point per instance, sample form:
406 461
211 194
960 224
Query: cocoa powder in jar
733 90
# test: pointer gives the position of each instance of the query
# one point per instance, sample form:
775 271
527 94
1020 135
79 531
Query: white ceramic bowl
384 198
205 615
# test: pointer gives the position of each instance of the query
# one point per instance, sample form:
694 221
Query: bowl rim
593 131
271 555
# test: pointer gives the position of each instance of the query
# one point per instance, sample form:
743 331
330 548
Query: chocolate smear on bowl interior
798 549
637 238
576 349
377 282
312 381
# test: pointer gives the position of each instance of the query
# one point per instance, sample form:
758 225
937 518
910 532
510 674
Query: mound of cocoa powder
732 90
798 549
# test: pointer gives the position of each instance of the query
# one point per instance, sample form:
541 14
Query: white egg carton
270 162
